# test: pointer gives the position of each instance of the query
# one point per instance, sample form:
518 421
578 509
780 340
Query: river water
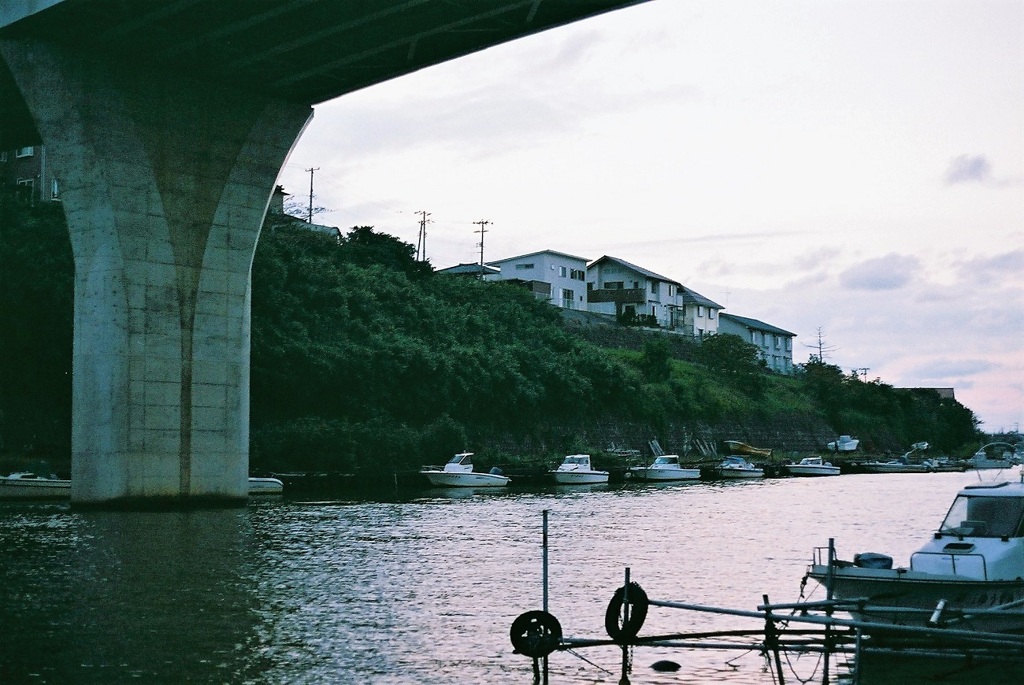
424 588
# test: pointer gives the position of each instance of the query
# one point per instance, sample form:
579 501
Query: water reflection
108 597
423 589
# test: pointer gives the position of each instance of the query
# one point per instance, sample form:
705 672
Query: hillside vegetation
363 358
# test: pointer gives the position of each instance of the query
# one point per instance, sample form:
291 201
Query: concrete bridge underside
167 123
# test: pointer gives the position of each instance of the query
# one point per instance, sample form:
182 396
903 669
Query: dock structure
778 631
826 627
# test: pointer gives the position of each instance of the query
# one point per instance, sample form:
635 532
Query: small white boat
28 485
665 468
845 443
459 473
575 469
1004 456
265 486
897 465
967 576
812 466
738 467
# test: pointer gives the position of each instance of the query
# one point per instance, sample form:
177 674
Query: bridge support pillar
165 183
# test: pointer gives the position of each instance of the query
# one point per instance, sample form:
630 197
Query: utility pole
482 224
310 219
421 244
862 372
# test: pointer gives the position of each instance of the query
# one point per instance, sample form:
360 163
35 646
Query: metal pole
544 562
624 680
772 640
544 582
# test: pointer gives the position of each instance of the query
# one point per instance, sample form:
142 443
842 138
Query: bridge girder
306 51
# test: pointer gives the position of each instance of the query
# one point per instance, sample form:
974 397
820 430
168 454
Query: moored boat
897 465
812 466
844 443
968 576
459 473
265 486
28 485
665 468
994 455
738 467
575 469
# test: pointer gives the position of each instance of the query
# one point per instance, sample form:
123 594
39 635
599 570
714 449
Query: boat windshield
466 459
985 517
664 461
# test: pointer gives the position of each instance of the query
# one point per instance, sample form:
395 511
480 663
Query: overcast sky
852 166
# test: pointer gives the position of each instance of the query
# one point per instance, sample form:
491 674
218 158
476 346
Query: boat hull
900 597
449 479
805 470
579 477
740 473
663 475
40 488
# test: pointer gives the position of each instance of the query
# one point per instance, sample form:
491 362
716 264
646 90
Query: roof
639 269
473 269
539 252
754 324
694 297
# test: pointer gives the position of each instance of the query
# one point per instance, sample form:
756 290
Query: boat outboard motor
872 560
495 471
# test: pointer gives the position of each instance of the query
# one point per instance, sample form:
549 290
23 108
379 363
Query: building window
561 272
654 287
711 313
753 337
567 298
524 267
700 310
578 275
26 190
25 152
614 285
54 191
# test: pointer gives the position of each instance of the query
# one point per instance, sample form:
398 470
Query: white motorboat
1003 456
845 443
665 468
459 473
738 467
265 486
812 466
898 465
967 576
28 485
575 469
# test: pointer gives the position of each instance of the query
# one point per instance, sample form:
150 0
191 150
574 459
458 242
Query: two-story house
559 277
26 172
617 287
774 344
698 315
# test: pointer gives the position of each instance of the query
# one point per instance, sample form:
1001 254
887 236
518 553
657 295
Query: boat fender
665 666
536 633
623 631
872 560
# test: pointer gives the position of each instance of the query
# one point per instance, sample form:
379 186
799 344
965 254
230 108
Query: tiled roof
756 325
639 269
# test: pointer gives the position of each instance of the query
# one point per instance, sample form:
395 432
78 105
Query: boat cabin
576 462
463 461
986 511
667 460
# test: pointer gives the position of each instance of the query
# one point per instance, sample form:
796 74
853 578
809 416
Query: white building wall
567 275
